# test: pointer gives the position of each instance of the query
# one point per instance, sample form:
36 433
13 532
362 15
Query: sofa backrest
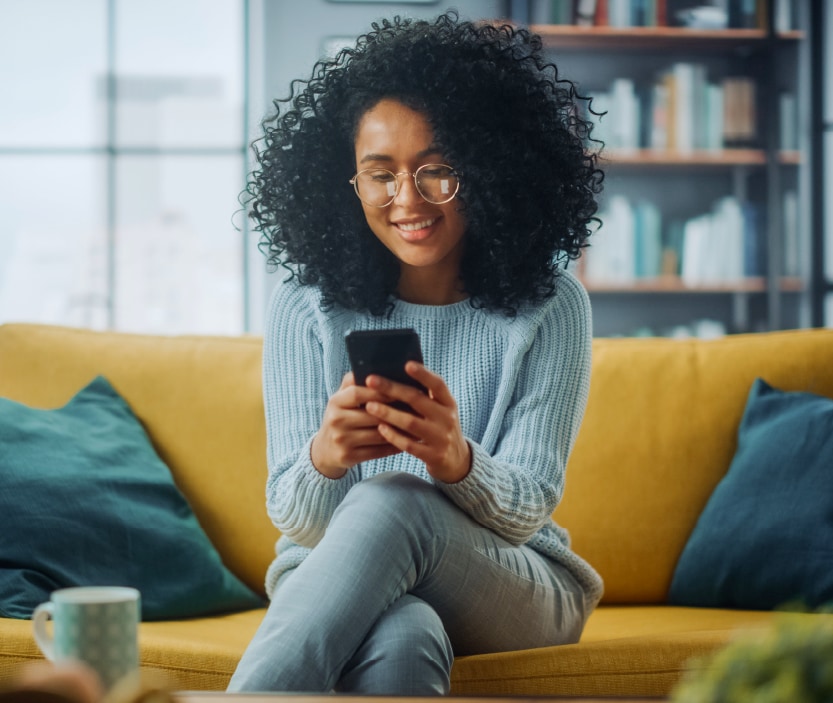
659 433
199 399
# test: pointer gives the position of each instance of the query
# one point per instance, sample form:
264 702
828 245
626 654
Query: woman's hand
348 435
73 682
433 434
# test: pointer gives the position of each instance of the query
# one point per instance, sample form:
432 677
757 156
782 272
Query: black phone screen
384 353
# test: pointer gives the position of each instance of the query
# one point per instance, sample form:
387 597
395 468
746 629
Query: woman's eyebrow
385 157
375 157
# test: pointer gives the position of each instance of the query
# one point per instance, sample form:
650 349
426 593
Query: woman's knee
393 493
395 514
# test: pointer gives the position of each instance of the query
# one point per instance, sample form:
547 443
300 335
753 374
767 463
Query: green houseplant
791 662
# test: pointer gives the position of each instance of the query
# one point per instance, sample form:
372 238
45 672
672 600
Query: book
660 109
785 16
714 117
619 13
519 11
754 252
787 121
539 12
726 263
695 250
791 228
611 258
672 248
699 106
661 13
585 12
648 240
639 12
601 18
739 111
684 75
625 109
551 12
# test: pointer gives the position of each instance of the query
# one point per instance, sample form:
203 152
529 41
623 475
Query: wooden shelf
565 36
790 158
792 284
791 35
675 284
721 158
662 157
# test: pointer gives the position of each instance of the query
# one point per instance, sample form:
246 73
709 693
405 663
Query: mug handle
39 617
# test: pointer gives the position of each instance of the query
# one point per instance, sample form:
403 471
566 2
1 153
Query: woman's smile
416 231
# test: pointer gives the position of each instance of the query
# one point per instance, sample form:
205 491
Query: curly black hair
502 116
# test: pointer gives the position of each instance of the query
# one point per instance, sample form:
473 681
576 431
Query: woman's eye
436 172
381 176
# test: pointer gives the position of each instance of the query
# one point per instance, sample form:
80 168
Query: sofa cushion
625 652
86 500
765 537
659 434
199 399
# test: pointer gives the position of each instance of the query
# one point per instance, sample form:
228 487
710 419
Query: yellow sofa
659 433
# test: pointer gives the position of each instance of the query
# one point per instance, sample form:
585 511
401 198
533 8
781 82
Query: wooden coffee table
220 697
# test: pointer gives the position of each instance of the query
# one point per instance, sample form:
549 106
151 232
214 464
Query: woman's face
425 237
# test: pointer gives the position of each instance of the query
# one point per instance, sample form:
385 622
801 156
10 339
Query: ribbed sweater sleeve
515 488
300 500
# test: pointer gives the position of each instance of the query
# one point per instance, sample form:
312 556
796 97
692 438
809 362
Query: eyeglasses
378 187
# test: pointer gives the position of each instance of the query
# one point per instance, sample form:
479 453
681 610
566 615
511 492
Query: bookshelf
723 188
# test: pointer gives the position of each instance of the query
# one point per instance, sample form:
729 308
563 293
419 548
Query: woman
408 538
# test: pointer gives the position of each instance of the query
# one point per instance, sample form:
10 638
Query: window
122 156
827 141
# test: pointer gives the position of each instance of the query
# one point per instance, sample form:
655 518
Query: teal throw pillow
765 537
86 500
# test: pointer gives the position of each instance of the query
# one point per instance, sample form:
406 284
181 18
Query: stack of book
718 14
720 247
682 110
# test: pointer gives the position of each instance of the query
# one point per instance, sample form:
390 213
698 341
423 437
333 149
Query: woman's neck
427 290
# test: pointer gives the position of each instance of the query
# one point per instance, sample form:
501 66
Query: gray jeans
401 582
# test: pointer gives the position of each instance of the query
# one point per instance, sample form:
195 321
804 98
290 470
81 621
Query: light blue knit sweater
520 384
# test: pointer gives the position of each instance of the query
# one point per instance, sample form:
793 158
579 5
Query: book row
682 109
722 246
715 15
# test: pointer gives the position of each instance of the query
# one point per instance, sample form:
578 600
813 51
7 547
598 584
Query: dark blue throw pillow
86 500
765 537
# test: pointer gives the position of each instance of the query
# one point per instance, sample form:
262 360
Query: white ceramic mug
97 625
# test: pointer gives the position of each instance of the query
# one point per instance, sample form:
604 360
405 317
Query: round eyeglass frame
413 174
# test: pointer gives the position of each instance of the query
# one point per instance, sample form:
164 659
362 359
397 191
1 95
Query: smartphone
384 353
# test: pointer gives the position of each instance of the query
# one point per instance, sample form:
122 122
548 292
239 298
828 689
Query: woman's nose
408 192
